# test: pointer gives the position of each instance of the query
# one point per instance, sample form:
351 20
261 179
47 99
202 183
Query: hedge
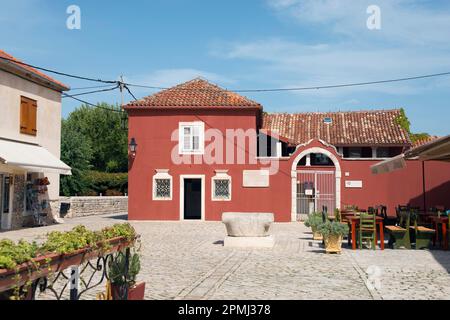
108 184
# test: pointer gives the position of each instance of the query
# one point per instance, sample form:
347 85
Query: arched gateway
316 180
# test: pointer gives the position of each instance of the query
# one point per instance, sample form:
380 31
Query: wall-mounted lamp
133 147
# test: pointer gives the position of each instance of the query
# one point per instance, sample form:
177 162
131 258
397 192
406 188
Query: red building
202 150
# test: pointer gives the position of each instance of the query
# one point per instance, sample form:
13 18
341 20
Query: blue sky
245 45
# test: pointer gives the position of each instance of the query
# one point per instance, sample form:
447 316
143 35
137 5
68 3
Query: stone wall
71 207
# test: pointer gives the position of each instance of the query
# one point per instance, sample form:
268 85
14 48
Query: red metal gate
316 190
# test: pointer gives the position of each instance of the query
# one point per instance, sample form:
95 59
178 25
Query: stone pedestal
248 229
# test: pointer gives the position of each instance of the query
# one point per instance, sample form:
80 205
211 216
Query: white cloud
413 41
408 21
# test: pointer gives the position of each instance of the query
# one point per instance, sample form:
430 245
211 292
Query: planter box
333 244
57 262
136 292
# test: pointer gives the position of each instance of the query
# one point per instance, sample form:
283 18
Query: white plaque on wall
256 178
353 184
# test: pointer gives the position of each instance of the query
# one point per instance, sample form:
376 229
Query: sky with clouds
246 45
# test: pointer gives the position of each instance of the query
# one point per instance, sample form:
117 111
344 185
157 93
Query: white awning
436 150
31 157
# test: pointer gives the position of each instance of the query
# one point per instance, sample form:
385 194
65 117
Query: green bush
314 219
332 228
106 183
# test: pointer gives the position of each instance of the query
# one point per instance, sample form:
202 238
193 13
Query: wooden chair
367 229
422 235
399 234
387 221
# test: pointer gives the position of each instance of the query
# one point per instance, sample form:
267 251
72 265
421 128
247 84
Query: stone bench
248 229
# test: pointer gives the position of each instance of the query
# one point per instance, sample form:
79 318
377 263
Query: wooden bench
399 235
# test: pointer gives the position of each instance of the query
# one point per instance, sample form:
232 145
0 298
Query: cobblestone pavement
186 260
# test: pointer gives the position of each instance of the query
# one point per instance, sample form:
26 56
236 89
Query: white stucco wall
48 117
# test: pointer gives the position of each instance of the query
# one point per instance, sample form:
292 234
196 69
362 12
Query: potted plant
337 215
313 221
125 280
332 233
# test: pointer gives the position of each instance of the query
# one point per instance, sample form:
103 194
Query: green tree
93 139
77 153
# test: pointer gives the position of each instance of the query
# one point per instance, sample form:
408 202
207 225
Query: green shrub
314 219
106 182
332 228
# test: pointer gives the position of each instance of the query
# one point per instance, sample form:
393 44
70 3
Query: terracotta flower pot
135 292
333 243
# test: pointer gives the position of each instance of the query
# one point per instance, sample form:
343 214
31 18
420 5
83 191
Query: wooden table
354 221
442 220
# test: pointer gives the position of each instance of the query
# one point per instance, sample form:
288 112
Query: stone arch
338 175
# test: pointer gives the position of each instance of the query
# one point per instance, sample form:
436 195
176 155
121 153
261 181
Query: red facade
154 130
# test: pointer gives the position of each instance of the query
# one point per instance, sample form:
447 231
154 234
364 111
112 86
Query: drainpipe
423 187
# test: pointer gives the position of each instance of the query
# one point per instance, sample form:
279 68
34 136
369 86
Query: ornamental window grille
163 188
222 189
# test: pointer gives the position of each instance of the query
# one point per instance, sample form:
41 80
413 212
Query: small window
221 186
191 140
327 120
162 185
28 116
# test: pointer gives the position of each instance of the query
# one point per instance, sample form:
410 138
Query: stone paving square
186 260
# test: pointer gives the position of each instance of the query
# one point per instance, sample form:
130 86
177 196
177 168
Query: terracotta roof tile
30 69
423 141
346 128
195 93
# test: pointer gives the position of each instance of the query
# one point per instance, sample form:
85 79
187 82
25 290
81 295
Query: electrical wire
90 104
302 88
91 87
58 72
96 91
234 90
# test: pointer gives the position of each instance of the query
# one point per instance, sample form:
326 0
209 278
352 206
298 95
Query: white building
30 138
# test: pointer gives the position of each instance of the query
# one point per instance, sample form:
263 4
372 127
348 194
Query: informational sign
353 184
308 192
256 178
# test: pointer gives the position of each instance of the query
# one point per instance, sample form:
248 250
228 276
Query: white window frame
221 175
162 174
181 127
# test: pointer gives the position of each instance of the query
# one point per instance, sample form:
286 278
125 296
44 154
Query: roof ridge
195 92
336 112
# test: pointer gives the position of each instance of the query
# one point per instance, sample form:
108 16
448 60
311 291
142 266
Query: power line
91 87
96 91
129 91
90 104
235 90
302 88
57 72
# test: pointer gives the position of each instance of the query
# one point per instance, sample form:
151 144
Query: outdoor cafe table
444 222
354 221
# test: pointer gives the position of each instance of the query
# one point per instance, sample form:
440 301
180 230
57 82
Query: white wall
48 117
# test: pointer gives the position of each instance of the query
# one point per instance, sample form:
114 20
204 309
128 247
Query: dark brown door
192 199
